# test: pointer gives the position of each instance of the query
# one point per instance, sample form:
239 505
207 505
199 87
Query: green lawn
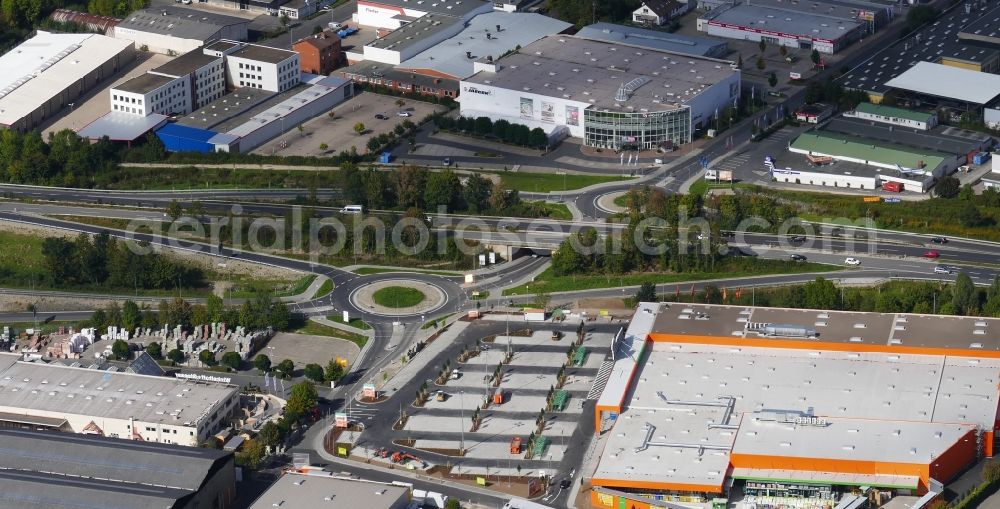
480 295
440 321
364 271
317 329
549 182
355 322
547 282
556 210
278 288
398 297
324 289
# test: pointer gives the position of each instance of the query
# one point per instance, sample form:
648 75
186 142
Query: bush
313 372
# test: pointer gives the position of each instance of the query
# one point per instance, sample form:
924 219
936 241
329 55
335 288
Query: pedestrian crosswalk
732 163
601 379
782 135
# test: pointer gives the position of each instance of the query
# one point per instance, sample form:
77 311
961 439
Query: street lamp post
461 428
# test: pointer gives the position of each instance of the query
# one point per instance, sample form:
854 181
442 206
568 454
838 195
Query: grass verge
317 329
548 182
556 210
357 323
437 321
548 282
324 289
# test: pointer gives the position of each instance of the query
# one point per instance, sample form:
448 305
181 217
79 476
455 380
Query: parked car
852 261
455 374
797 258
380 116
939 240
404 114
334 25
446 161
565 484
941 269
931 254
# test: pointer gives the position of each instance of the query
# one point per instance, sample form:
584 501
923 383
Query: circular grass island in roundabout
398 297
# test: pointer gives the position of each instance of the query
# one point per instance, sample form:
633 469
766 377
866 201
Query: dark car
939 240
381 116
797 258
797 238
565 484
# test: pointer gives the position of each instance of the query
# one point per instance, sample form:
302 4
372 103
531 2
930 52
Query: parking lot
337 132
525 383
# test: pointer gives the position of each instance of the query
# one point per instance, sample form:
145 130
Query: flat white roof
47 64
626 354
32 386
688 401
324 87
950 82
849 439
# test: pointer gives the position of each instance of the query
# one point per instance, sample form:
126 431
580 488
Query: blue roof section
181 138
654 39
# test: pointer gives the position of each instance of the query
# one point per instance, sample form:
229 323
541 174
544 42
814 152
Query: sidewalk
308 293
405 374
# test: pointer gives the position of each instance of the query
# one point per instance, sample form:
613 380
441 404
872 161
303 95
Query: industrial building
788 25
271 7
321 96
894 116
112 404
403 81
46 73
953 91
394 14
321 488
801 408
486 37
176 30
611 95
412 38
960 37
48 469
655 40
319 53
93 22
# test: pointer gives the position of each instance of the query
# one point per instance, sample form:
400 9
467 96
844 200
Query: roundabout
399 297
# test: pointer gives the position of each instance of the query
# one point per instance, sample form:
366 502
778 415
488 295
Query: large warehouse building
176 30
112 404
655 40
610 95
393 14
46 73
802 407
48 469
792 25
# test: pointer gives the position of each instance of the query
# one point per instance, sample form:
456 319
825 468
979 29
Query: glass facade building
640 130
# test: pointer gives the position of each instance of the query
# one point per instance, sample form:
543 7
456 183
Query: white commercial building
611 95
264 68
46 73
113 404
152 93
791 27
393 14
410 39
176 30
205 72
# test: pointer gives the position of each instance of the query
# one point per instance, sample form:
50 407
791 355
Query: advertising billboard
548 112
527 108
572 115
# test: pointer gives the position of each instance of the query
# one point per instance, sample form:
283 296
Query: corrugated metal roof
947 81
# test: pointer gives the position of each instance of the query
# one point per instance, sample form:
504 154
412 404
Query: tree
131 316
285 368
947 187
262 362
483 126
772 79
174 210
207 357
762 45
313 372
175 356
214 308
232 360
284 20
334 371
279 316
538 138
969 215
820 294
154 350
760 63
270 434
360 128
814 56
567 260
302 399
373 144
646 293
409 183
964 297
251 454
443 188
476 193
121 350
452 503
966 193
323 146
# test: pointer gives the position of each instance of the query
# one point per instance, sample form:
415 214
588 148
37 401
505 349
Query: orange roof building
702 396
319 53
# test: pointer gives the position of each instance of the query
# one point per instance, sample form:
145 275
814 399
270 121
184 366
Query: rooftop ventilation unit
783 330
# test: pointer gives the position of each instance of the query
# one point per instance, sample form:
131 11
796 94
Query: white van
352 209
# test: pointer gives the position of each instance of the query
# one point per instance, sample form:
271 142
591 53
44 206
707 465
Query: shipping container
969 158
515 445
